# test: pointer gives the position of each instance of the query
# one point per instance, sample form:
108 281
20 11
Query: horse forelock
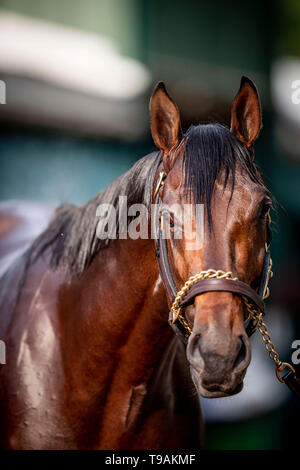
210 149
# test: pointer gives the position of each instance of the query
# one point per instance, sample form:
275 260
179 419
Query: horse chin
215 390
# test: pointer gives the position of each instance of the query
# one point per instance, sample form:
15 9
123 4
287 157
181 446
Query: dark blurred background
76 80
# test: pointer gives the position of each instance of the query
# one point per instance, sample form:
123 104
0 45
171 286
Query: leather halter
205 285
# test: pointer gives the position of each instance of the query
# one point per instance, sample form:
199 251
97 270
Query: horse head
213 167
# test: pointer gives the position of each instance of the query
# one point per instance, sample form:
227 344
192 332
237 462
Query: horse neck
120 305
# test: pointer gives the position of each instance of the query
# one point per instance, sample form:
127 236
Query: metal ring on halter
281 367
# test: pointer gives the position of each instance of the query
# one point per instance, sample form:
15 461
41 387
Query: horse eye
171 220
264 209
168 218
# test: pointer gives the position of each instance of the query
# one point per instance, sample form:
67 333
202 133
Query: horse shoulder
33 369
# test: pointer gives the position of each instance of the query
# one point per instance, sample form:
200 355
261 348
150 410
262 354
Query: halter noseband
206 281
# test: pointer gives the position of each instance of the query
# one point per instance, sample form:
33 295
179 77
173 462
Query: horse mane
71 234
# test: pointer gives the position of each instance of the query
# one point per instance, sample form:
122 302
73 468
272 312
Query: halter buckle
162 176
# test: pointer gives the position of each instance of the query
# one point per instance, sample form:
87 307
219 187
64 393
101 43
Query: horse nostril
195 344
193 349
241 354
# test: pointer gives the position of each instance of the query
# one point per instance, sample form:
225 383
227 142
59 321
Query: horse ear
246 120
164 119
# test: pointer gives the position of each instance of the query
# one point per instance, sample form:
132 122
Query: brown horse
91 361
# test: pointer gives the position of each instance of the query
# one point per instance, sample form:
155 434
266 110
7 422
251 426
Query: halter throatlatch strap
216 281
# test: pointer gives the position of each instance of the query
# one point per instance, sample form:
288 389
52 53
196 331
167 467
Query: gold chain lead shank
254 313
